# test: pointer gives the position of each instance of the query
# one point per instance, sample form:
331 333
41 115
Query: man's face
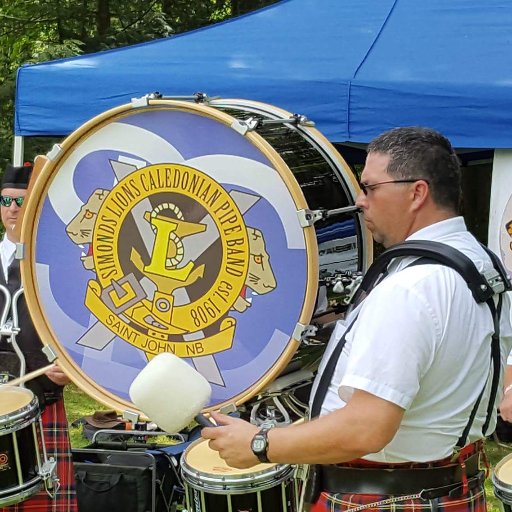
10 213
385 206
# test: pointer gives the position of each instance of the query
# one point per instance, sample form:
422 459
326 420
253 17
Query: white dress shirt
423 343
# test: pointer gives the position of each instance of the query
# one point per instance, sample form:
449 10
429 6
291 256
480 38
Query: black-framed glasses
7 201
366 188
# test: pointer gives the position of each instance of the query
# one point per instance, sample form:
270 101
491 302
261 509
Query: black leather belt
396 481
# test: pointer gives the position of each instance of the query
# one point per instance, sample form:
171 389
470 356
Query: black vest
28 341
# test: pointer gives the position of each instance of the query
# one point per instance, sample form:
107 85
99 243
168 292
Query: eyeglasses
7 201
366 188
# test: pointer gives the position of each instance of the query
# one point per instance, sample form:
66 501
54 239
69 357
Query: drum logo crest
172 257
4 462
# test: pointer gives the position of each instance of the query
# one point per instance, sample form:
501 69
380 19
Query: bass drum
173 226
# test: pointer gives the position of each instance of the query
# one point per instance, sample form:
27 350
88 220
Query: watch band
262 455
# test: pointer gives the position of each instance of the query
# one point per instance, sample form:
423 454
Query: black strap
442 254
458 264
326 377
432 252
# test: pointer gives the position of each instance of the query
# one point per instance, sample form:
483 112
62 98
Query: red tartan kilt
472 501
56 437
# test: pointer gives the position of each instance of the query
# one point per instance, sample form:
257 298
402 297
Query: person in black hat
48 388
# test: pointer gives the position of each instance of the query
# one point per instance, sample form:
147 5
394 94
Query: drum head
165 227
205 461
13 399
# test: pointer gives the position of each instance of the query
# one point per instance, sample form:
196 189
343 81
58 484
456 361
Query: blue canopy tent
354 67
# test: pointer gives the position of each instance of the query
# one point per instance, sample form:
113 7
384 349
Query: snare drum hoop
21 417
500 487
215 483
30 220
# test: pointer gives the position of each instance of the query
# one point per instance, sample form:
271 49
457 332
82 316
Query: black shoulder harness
483 288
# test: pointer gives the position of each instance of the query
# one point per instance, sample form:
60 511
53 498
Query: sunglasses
7 201
366 188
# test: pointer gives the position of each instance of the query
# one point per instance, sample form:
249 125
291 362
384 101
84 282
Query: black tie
13 276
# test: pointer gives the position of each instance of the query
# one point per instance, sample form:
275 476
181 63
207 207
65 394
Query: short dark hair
423 153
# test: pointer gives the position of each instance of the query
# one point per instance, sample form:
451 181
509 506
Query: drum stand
9 328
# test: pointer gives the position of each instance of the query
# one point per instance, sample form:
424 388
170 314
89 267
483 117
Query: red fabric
56 437
470 501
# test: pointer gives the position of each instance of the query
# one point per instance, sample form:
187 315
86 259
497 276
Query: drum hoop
19 418
500 484
263 479
38 192
207 483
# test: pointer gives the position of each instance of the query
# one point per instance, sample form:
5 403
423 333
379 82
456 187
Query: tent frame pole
18 150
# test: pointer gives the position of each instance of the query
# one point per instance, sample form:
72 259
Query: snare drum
20 445
502 482
213 486
174 226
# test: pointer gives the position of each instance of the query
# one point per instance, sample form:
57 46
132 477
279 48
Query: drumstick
29 376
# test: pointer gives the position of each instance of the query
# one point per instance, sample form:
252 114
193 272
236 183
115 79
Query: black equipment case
124 476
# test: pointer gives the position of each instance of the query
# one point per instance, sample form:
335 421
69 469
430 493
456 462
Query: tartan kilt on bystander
56 437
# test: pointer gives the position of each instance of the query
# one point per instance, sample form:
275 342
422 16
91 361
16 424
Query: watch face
258 445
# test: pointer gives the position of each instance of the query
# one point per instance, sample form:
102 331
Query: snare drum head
13 399
503 473
200 458
168 227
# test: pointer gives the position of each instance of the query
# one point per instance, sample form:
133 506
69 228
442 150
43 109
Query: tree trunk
103 18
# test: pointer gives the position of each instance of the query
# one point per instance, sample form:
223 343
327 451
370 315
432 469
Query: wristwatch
259 445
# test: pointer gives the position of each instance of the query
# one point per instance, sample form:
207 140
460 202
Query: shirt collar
437 232
440 229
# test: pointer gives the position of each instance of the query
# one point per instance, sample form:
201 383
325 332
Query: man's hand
506 406
232 439
57 376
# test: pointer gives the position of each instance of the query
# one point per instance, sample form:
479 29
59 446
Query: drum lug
143 101
302 332
242 127
19 254
131 416
228 409
54 152
309 217
49 352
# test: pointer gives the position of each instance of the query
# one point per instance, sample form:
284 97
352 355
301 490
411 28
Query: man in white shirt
416 362
48 388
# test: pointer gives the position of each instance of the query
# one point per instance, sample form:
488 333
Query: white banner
500 213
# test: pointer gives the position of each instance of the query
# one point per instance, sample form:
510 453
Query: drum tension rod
198 97
252 123
309 217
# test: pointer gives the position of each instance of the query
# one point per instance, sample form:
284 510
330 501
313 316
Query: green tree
40 30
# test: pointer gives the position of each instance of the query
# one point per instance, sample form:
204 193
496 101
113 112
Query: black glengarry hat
17 177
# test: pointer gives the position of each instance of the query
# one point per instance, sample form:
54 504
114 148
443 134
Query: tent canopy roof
355 68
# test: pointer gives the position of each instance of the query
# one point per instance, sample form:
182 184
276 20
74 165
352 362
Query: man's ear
421 192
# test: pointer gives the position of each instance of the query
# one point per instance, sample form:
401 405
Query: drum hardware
213 486
304 332
502 482
198 97
270 412
344 283
253 123
309 217
270 406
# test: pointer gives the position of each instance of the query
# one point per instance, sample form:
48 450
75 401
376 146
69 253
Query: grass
78 404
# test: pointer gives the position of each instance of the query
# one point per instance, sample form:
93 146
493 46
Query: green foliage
33 31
